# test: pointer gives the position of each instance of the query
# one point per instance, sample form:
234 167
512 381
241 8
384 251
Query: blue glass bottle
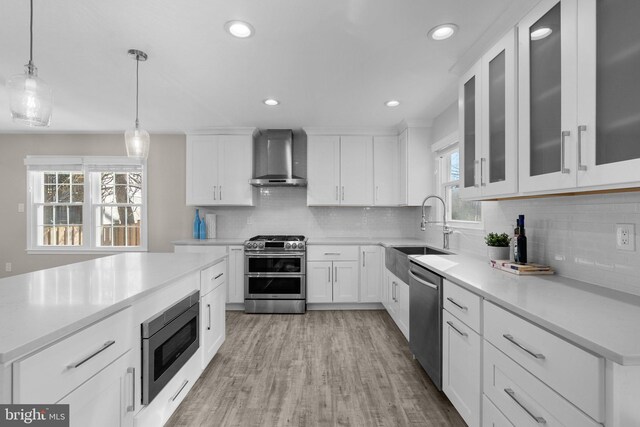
203 229
196 225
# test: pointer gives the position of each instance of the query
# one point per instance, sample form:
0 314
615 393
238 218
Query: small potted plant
498 246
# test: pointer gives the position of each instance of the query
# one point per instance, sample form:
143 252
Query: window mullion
87 215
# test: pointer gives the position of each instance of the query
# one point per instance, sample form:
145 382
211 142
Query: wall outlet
7 267
626 237
20 207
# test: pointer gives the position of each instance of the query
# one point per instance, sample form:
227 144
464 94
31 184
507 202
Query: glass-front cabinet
487 110
608 123
579 107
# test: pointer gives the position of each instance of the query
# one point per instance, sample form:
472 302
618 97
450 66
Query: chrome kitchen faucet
446 231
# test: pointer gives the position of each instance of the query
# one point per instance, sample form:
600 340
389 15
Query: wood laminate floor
323 368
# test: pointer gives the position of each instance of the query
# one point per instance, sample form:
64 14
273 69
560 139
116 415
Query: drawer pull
217 277
517 344
175 396
512 395
332 253
209 322
457 304
450 323
92 355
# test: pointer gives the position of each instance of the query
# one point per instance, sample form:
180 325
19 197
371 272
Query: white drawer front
571 371
332 253
52 373
523 399
462 304
491 416
212 277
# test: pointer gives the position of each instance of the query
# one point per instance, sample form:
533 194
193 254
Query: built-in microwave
169 339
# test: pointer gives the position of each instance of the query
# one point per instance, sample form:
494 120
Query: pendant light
137 139
30 98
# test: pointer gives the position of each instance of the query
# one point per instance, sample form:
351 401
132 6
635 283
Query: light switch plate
626 237
20 207
7 266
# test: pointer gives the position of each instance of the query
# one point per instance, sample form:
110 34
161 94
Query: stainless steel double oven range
275 274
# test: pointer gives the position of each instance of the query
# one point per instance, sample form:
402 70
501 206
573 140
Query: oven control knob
287 246
261 245
248 245
255 245
299 245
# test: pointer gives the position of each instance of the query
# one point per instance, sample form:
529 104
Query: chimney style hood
274 158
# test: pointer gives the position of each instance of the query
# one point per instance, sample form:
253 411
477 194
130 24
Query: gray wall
446 123
169 218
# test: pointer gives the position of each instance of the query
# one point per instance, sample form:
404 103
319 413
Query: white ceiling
329 62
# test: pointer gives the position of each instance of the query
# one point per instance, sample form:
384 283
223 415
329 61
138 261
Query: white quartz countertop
209 242
384 241
603 321
40 307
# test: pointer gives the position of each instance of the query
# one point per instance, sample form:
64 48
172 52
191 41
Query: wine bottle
521 242
516 231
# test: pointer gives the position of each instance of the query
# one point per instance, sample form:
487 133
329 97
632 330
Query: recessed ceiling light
540 33
271 102
392 103
239 29
443 32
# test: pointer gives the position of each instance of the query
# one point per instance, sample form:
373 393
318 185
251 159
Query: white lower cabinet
212 323
491 416
397 301
371 274
235 284
524 399
332 281
461 375
107 399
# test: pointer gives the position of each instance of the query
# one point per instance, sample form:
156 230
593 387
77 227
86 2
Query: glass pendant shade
137 142
30 98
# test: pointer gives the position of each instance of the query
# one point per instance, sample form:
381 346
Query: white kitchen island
55 317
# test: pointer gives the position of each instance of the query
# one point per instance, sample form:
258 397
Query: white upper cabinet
219 168
323 170
356 170
487 111
608 123
340 170
386 176
547 67
416 165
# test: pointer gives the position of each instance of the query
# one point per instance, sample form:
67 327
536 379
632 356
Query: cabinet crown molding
222 130
349 131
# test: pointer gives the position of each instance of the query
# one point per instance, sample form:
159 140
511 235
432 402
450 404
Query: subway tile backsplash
575 235
284 210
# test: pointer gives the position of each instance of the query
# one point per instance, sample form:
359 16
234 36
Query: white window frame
441 149
88 165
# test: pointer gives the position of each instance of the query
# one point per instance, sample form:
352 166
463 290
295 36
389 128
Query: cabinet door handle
215 189
512 395
218 276
475 173
209 321
563 143
376 193
220 189
132 407
329 274
332 253
363 260
175 396
581 128
457 304
335 275
337 193
343 193
513 341
482 162
92 355
450 323
393 291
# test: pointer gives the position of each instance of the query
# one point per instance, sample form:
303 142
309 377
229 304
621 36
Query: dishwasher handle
423 282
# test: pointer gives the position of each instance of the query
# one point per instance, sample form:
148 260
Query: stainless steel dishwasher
425 320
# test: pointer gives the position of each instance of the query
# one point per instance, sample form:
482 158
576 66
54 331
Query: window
86 204
459 211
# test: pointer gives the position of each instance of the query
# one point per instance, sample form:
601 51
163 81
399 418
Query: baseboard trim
345 306
235 306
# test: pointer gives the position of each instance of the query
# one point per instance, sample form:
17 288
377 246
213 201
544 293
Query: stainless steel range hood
274 158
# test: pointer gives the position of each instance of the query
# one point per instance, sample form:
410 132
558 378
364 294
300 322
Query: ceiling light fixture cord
31 39
137 86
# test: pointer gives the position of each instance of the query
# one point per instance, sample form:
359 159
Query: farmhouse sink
397 258
419 250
